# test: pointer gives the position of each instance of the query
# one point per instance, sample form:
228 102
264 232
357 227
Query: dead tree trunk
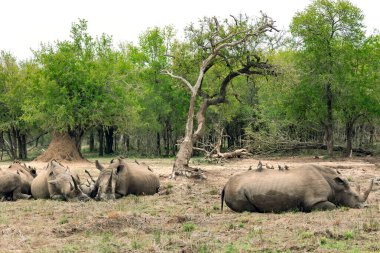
219 40
186 147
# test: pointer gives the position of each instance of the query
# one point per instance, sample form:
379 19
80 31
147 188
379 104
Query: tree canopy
235 78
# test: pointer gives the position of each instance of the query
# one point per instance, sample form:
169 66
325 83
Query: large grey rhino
27 174
305 188
120 179
11 185
57 182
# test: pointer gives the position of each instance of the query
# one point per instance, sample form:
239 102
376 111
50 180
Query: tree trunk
167 138
22 150
115 143
91 141
186 148
158 144
2 145
63 147
329 121
127 142
166 141
109 140
372 134
181 164
12 150
349 135
101 141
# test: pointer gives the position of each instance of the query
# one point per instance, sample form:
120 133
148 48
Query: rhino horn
88 173
109 185
75 183
364 196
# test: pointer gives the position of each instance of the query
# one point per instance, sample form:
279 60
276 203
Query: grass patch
348 235
188 227
63 220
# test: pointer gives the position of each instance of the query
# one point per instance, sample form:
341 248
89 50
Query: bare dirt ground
186 217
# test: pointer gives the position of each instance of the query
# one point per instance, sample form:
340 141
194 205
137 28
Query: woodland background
315 86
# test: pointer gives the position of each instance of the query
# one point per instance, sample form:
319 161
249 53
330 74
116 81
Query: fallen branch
233 154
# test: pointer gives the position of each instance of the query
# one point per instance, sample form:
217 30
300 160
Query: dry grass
186 217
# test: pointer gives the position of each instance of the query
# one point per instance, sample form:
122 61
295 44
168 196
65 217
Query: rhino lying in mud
27 174
120 179
57 182
11 185
306 188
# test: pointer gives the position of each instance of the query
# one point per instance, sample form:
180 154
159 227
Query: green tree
81 87
359 90
161 103
322 29
12 97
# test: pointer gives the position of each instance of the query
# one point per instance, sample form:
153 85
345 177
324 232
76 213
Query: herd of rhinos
305 188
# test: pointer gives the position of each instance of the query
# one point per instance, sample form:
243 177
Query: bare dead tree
232 35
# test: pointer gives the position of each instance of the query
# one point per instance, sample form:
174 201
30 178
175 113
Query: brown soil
186 217
61 148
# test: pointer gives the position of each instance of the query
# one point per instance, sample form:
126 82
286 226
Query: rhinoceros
120 179
57 182
27 174
10 185
89 186
305 188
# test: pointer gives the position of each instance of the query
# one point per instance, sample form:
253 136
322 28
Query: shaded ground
186 217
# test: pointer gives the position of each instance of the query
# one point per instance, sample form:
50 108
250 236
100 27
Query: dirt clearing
186 217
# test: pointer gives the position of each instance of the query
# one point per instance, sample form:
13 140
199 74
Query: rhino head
63 184
106 183
345 196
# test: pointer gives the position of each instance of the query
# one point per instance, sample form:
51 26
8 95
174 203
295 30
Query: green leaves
82 84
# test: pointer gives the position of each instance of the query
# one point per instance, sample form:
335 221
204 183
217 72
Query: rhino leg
18 195
58 197
22 196
242 205
324 205
118 195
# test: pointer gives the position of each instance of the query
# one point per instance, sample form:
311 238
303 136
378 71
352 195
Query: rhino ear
341 181
99 166
119 168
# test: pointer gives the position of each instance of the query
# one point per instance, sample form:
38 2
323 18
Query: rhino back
39 186
138 180
26 177
275 191
9 181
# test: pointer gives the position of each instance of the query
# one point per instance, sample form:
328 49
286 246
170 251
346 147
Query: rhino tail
222 199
